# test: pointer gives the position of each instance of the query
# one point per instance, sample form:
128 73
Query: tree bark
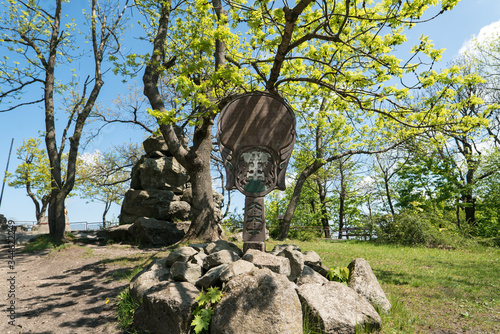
203 227
470 209
388 194
323 209
342 197
107 205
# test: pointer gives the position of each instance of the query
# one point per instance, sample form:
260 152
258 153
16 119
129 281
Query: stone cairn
262 292
156 208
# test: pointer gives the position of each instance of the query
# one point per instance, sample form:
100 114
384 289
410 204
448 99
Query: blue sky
450 31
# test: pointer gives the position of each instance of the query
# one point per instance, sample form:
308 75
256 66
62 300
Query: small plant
338 274
203 313
126 307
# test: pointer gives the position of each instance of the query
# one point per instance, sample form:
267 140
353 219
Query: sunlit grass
430 288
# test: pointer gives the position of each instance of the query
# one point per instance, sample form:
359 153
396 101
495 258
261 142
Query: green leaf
199 324
214 294
203 299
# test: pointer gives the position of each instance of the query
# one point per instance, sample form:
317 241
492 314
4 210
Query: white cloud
486 32
90 157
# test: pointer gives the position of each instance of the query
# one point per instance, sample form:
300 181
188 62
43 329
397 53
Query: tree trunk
342 197
388 194
203 226
294 201
323 209
107 205
57 217
470 209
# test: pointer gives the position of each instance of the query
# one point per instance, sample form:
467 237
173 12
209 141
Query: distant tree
38 42
33 174
105 177
464 148
488 194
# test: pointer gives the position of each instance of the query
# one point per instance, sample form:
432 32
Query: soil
71 290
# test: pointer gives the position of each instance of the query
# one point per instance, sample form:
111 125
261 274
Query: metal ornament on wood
256 134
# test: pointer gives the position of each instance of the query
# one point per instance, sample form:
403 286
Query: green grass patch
44 241
38 243
126 307
431 289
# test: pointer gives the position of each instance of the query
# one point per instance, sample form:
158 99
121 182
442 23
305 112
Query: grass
430 289
39 243
43 241
126 307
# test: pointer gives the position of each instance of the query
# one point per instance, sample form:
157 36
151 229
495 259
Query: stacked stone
262 292
156 208
157 186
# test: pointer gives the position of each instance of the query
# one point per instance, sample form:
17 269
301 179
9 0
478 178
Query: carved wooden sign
256 134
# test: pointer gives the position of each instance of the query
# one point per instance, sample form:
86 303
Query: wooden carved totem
256 134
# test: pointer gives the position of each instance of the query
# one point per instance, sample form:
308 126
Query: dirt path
72 290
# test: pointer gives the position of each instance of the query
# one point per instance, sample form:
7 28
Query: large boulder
364 282
309 275
296 259
164 173
236 268
221 257
279 248
261 302
211 277
186 271
181 254
219 245
144 203
311 257
168 310
153 203
154 274
278 264
338 308
155 232
155 145
119 233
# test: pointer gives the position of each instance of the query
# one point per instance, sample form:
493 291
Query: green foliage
203 312
405 228
338 274
126 307
34 169
413 227
304 234
234 220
